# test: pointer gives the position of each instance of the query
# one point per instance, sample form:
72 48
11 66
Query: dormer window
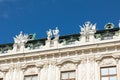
109 26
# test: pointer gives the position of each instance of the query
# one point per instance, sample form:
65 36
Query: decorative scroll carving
68 64
62 61
108 61
31 70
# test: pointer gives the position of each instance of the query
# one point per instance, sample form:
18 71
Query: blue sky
37 16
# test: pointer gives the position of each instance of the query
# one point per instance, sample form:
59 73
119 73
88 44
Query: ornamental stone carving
87 31
19 42
31 70
68 66
107 61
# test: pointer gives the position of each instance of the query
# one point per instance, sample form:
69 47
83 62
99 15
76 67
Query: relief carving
31 70
108 62
68 66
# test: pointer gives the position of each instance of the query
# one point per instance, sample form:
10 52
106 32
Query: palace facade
89 55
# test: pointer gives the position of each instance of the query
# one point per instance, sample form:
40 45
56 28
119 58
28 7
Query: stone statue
87 29
20 40
49 34
56 33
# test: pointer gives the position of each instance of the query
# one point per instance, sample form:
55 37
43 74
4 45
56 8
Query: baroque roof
88 33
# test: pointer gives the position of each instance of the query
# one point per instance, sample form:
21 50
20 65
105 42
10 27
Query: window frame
31 76
1 78
108 75
67 72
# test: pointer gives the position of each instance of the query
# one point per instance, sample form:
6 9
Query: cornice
61 50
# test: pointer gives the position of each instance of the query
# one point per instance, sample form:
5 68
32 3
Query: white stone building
89 55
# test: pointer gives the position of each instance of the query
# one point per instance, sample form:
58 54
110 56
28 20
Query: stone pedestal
91 37
48 43
56 43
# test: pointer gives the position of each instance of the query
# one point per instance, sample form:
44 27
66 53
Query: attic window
109 26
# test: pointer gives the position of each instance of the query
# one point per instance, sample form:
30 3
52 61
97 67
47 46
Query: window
68 75
109 73
1 78
31 77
